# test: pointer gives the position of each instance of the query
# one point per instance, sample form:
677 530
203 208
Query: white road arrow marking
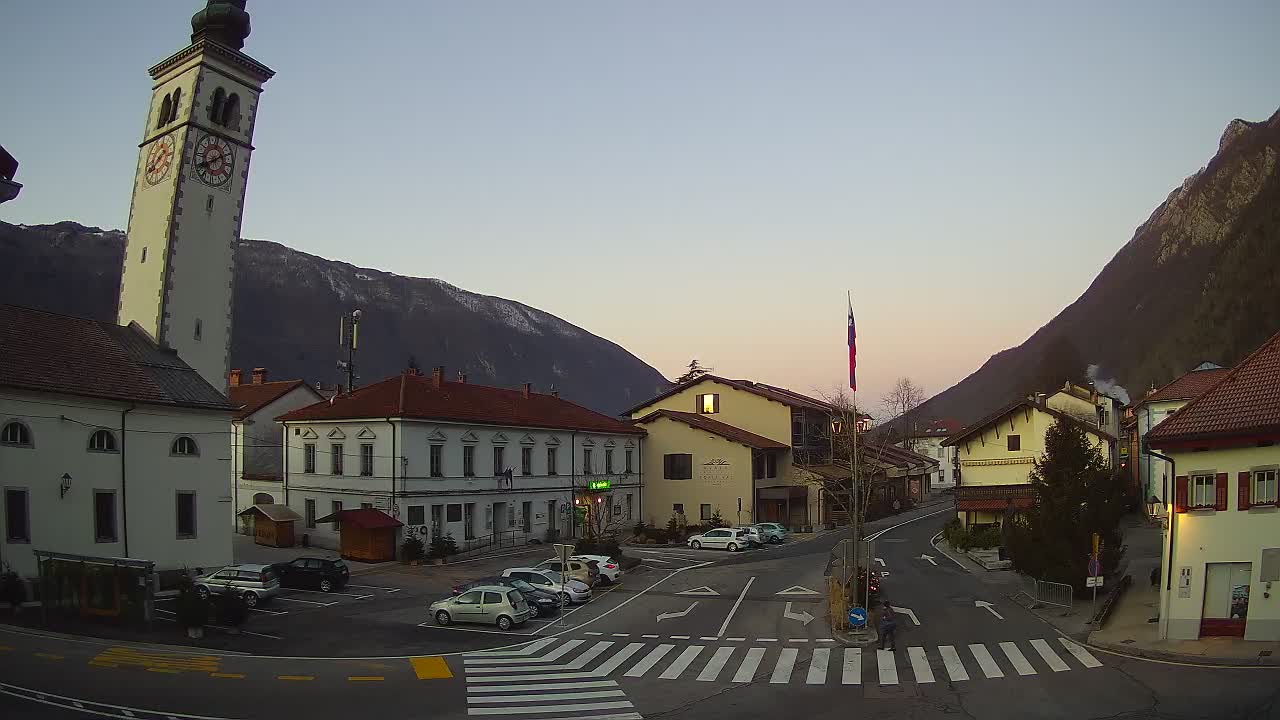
987 605
803 616
908 612
704 590
797 590
881 561
929 558
686 611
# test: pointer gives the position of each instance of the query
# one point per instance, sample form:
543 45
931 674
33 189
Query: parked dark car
314 573
542 603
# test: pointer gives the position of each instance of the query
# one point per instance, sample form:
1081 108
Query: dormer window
183 445
708 404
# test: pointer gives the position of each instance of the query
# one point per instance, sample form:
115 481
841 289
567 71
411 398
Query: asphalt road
703 634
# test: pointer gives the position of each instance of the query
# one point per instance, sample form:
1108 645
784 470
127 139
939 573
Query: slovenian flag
853 350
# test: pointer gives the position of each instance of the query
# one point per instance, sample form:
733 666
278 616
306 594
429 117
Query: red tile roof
941 427
777 394
994 497
252 398
1188 387
47 352
715 427
366 518
416 397
1246 401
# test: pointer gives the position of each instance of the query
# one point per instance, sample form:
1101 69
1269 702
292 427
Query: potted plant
193 611
442 547
12 589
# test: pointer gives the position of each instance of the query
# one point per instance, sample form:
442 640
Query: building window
677 508
417 515
104 516
215 107
144 256
1264 487
102 441
709 404
15 433
335 459
757 467
608 460
17 516
499 463
335 507
526 461
1203 494
677 466
552 454
198 332
1015 442
453 512
469 460
309 458
704 511
309 512
771 465
177 102
186 515
184 445
437 460
586 460
165 106
626 461
366 459
366 506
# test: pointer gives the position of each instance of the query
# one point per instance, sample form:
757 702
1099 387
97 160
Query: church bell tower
189 189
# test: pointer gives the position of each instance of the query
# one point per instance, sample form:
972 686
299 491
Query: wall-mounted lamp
65 487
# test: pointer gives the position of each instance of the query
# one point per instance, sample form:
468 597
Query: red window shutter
1180 485
1220 488
1242 491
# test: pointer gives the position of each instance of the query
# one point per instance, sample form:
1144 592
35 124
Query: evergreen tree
695 371
1076 496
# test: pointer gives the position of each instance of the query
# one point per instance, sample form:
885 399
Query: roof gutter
124 482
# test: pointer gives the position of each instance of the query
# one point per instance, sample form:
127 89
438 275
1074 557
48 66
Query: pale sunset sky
685 178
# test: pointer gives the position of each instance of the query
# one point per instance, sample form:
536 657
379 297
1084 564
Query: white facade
257 457
1155 476
945 476
142 482
399 478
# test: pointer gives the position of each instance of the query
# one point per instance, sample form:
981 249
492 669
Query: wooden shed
272 524
365 534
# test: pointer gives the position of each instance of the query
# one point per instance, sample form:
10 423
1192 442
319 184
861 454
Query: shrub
231 609
12 589
656 536
411 549
716 521
443 546
597 547
640 529
961 538
673 527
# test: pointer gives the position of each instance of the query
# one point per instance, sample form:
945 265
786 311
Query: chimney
555 393
437 376
259 375
235 377
524 390
462 377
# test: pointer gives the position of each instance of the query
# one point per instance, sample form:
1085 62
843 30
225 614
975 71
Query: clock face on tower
159 159
213 160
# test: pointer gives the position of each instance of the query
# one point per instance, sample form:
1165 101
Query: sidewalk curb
1130 651
850 641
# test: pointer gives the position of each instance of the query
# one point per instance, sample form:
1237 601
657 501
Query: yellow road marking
5 648
149 660
365 677
48 656
96 663
295 677
432 667
233 676
170 671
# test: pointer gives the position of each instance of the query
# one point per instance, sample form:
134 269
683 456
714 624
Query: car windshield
522 585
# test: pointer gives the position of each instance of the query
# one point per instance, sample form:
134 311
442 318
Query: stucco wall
985 458
737 408
257 448
153 479
1233 535
721 474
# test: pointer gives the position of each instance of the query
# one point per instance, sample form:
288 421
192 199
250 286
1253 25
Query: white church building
114 435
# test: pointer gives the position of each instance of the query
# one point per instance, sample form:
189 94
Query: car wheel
203 592
776 540
695 545
442 618
534 610
504 623
250 598
731 547
326 585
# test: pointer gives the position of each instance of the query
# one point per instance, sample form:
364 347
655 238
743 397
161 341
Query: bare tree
695 371
900 403
838 487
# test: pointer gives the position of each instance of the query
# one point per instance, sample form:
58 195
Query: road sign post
563 551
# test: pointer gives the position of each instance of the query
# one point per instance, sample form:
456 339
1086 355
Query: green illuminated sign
599 484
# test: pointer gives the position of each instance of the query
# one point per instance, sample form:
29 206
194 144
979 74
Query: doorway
526 514
1226 599
551 520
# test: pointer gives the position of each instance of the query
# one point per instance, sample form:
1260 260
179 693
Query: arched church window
165 106
173 111
215 108
231 112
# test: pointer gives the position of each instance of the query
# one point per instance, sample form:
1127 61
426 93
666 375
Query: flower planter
195 633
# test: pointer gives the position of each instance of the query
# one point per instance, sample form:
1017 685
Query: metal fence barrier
1052 593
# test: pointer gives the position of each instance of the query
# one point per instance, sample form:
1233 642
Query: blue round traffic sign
857 617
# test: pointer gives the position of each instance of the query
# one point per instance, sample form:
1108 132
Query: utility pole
348 339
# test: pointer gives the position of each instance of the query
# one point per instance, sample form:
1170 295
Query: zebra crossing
554 669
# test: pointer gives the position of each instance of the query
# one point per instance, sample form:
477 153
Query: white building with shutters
483 464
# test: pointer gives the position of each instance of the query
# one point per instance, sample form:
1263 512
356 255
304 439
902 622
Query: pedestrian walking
888 627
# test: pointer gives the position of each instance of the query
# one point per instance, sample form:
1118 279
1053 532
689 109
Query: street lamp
837 426
65 487
1154 506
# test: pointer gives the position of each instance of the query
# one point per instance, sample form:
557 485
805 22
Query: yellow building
1222 552
731 446
997 454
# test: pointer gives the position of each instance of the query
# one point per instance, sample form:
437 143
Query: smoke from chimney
1107 386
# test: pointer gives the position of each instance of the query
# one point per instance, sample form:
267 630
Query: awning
273 512
364 518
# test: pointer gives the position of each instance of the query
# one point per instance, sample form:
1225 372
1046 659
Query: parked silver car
771 532
253 583
487 604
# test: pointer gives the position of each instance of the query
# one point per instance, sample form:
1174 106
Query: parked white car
731 539
609 568
574 591
772 532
